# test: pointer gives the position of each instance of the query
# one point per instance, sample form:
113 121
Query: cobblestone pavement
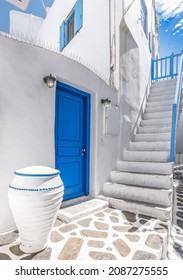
108 234
176 236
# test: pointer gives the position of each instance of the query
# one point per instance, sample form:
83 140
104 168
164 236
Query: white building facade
98 31
101 49
115 39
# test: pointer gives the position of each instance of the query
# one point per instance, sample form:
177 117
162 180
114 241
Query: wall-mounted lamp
106 102
49 81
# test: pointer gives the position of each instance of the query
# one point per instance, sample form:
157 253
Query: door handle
83 152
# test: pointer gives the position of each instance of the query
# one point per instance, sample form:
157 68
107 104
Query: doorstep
72 213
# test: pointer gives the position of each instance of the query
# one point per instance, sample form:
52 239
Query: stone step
154 98
156 122
158 91
146 156
152 137
158 109
135 193
159 103
164 83
145 167
154 129
159 115
162 213
80 210
142 180
149 146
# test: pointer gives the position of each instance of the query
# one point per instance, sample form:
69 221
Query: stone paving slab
175 248
108 234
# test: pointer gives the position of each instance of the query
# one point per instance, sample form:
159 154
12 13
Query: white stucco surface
135 64
27 115
97 44
25 24
91 43
115 47
112 40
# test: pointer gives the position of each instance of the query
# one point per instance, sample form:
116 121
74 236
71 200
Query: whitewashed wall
27 114
99 38
25 24
120 43
91 43
135 66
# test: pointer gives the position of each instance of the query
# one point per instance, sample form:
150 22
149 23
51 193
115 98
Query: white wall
118 41
25 24
91 43
98 41
129 53
135 64
27 115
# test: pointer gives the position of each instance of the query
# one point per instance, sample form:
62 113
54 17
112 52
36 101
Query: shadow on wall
129 85
179 144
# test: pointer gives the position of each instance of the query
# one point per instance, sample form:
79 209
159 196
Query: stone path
108 234
175 250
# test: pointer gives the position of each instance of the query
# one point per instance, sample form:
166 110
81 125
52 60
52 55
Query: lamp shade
106 102
49 81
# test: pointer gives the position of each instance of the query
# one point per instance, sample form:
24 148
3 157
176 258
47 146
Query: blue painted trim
36 190
78 19
77 12
168 66
172 65
72 89
36 175
64 86
88 107
62 36
152 69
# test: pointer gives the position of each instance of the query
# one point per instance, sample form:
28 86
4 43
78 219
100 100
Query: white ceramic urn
35 196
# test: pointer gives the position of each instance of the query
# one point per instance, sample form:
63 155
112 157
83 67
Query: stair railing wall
165 67
142 109
176 110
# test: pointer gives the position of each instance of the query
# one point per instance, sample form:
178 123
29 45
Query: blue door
72 134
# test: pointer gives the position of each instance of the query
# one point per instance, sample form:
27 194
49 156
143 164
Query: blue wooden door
72 128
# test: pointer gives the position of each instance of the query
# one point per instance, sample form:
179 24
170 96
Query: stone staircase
143 180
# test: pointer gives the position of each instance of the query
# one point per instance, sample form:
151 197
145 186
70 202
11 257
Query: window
71 25
143 15
71 28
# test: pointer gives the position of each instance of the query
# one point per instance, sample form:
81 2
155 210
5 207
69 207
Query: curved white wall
27 115
92 41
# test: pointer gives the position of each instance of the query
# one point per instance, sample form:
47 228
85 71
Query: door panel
72 136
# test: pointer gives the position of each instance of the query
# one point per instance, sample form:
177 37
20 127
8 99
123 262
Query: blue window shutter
62 36
78 17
